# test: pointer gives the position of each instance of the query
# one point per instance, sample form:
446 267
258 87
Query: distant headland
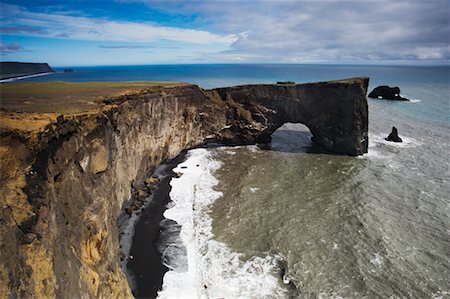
9 70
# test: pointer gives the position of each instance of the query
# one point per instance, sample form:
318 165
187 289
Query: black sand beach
143 264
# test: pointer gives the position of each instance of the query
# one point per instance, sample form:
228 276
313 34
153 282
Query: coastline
106 141
15 78
139 233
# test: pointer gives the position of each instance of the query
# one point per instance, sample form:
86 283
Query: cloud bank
278 31
298 31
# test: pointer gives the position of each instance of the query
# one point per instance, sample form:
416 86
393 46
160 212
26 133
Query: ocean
289 220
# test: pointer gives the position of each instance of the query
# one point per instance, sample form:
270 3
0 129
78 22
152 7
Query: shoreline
139 233
206 267
15 78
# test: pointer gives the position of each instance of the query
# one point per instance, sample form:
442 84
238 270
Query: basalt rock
393 136
387 93
62 192
335 112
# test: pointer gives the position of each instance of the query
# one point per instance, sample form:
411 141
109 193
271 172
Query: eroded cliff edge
63 184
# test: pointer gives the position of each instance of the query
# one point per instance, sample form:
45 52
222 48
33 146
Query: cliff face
17 69
63 191
80 176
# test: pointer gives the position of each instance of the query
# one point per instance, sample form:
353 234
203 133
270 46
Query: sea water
293 221
262 220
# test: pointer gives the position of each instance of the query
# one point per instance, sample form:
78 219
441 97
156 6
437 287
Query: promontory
10 70
70 152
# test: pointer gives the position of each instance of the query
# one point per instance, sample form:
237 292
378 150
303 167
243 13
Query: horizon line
384 63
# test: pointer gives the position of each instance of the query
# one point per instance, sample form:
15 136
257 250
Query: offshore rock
65 182
393 136
387 93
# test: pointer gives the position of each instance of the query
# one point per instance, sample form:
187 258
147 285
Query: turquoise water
375 226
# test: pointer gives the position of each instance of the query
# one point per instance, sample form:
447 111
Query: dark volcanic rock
335 112
285 82
388 93
393 136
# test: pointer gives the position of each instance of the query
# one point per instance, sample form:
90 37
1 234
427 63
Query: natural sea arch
335 112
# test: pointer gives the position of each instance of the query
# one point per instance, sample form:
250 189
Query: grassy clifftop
29 107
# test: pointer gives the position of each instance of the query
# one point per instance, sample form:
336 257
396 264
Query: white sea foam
377 260
213 270
253 148
379 146
230 152
441 294
25 77
377 139
372 153
411 99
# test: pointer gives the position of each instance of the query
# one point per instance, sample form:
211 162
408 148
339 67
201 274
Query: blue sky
76 33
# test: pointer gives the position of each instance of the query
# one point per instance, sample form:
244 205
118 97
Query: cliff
65 178
19 69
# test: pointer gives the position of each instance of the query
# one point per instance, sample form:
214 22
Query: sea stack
393 136
387 93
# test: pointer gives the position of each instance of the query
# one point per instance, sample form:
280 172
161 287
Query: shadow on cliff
293 141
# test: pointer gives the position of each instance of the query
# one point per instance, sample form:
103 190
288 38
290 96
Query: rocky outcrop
62 193
17 69
335 112
387 93
393 136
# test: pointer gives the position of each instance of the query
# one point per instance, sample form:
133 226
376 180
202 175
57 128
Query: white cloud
9 47
287 31
91 29
430 53
265 31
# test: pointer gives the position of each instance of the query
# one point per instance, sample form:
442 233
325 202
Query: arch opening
293 138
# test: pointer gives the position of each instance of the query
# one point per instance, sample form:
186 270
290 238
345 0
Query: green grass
66 96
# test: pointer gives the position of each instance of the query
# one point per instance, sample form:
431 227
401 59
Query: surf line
209 268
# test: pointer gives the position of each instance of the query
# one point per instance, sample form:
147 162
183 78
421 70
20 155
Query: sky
134 32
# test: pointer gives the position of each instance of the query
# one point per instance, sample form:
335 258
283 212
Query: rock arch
336 113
